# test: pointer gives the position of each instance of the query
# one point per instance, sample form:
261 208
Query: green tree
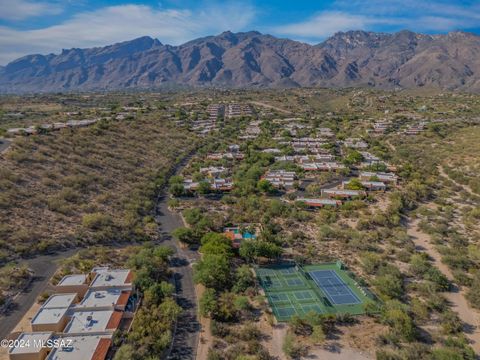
353 157
185 235
125 352
204 187
208 303
243 279
213 271
177 190
265 187
354 184
216 244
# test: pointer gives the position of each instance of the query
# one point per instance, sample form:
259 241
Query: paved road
188 327
4 144
43 268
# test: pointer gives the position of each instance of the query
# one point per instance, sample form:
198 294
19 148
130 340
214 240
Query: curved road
43 268
188 328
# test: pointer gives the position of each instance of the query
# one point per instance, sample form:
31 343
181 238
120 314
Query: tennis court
336 290
288 292
322 288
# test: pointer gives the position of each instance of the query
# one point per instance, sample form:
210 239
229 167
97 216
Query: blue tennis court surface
336 290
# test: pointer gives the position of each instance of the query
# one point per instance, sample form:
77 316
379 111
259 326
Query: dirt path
467 188
206 337
337 354
271 107
470 317
273 337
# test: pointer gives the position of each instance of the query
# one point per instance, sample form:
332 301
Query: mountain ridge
251 59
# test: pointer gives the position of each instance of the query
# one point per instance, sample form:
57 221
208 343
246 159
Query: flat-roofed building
107 278
50 319
75 283
369 185
355 143
60 301
112 298
389 178
280 178
272 151
226 155
344 194
322 166
96 322
84 347
30 346
319 202
221 184
53 315
213 171
369 158
326 132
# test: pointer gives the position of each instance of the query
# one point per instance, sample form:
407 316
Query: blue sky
45 26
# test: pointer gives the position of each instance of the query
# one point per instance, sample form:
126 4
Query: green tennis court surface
322 288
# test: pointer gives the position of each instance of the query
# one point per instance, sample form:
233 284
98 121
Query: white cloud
119 23
377 15
24 9
323 25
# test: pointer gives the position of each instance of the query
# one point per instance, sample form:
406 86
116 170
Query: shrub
208 303
96 221
473 294
185 235
292 349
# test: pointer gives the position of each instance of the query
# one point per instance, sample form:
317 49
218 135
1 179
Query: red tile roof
114 321
230 235
123 298
102 349
129 278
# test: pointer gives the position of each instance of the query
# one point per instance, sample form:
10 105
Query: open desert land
307 223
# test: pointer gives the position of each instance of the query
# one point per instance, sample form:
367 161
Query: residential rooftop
49 315
34 339
85 347
104 298
93 321
74 279
107 277
59 301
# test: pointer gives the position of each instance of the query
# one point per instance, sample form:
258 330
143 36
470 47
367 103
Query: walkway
469 316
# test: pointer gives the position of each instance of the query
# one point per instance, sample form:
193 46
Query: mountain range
250 59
